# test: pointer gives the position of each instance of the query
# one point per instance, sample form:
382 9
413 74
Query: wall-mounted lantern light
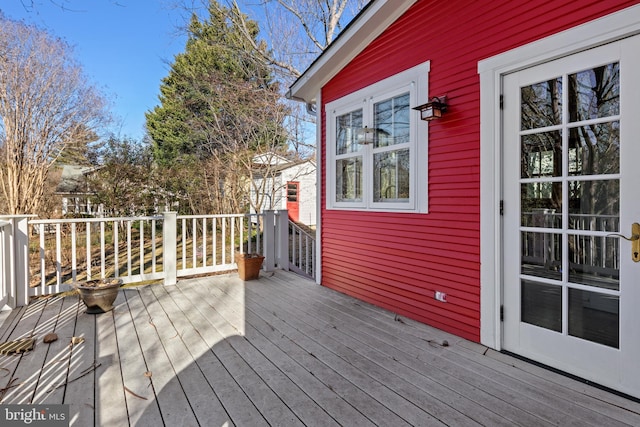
432 109
365 135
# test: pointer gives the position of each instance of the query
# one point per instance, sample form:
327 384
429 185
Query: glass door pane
570 202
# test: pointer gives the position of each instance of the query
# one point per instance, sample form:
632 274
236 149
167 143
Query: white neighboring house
286 184
75 192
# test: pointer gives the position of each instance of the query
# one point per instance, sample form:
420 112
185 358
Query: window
377 146
292 191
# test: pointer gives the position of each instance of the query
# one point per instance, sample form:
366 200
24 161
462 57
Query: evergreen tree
202 110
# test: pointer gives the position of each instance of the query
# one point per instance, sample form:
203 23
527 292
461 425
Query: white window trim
414 81
598 32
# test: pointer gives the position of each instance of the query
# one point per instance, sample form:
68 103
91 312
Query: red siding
398 261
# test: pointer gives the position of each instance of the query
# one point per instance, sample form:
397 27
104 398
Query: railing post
7 274
170 248
283 239
21 250
15 265
269 240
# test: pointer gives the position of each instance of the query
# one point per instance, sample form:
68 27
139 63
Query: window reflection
347 126
541 154
541 104
542 255
594 261
594 205
391 176
569 185
595 93
541 305
349 179
594 149
595 317
391 121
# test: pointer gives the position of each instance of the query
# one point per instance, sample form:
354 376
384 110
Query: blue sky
123 46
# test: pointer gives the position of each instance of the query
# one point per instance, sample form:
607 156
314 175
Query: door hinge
502 313
501 207
502 102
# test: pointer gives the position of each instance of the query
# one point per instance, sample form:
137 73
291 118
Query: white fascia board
372 22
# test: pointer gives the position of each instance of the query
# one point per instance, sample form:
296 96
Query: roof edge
376 17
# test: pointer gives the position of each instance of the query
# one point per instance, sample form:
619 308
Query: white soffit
368 25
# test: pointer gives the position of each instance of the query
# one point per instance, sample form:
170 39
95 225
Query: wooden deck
279 351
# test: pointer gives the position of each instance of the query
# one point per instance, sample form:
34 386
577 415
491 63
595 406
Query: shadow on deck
215 351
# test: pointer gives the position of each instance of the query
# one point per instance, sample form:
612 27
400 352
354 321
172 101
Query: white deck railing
302 251
47 256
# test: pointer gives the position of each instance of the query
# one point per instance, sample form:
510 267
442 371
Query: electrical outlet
441 296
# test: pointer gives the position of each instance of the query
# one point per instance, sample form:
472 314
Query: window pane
594 93
349 180
595 261
594 205
391 121
347 126
541 305
541 204
541 155
595 317
542 255
292 192
594 149
391 176
541 104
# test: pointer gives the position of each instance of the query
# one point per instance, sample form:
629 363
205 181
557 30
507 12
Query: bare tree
46 105
298 30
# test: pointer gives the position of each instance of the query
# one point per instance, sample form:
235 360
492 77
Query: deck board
277 351
110 403
461 377
302 391
366 355
534 395
134 366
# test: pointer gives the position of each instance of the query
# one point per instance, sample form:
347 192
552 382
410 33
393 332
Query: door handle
634 239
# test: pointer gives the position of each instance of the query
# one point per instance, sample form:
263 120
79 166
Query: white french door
571 180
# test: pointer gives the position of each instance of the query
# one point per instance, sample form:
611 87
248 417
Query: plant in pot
249 265
99 295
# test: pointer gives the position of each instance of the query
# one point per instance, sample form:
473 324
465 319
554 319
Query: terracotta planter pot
249 266
99 295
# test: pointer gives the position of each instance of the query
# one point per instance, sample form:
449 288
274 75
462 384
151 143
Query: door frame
295 218
600 31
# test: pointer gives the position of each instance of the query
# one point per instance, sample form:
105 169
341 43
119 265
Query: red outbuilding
497 212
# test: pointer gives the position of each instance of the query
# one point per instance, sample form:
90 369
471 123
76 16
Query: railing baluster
224 241
116 254
43 271
88 263
233 235
141 258
214 228
74 264
194 242
204 242
259 228
153 245
184 243
102 252
129 253
58 256
294 252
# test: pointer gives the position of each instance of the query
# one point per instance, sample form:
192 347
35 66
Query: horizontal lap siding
398 261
